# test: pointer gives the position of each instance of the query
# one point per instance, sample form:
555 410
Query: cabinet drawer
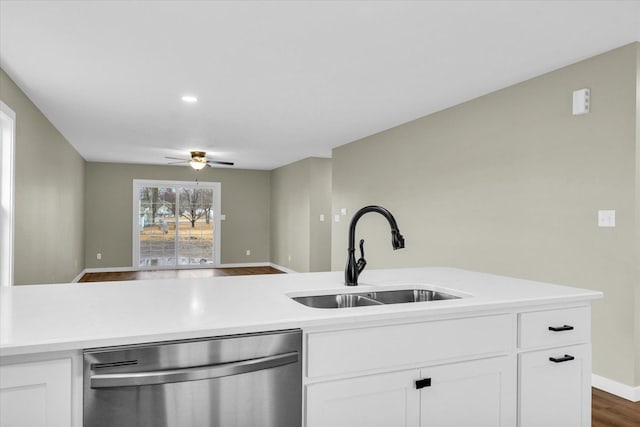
553 328
359 350
555 387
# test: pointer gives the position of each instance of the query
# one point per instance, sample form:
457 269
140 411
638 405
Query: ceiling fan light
197 165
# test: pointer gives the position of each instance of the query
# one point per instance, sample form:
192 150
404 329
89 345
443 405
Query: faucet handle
361 264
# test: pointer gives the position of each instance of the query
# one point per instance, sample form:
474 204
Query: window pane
157 226
195 234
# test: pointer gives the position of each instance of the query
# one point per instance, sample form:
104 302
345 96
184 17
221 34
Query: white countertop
42 318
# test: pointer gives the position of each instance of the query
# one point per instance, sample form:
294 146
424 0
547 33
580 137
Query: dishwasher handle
135 379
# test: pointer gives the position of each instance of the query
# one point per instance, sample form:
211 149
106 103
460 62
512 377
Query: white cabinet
381 400
555 368
555 389
40 391
479 393
36 394
437 373
522 368
482 391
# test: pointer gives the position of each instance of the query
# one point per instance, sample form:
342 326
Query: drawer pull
561 328
425 382
566 358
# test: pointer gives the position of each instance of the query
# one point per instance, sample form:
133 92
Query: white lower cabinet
478 393
381 400
555 387
524 369
36 394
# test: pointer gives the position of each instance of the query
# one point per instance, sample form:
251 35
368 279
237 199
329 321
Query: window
176 224
7 150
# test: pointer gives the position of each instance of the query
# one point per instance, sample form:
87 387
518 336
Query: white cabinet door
555 393
382 400
480 393
36 394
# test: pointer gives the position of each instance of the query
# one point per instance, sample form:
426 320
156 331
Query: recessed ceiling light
190 99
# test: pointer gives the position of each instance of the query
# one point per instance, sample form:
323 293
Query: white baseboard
79 276
621 390
281 268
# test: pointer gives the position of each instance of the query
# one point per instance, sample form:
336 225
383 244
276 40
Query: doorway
176 224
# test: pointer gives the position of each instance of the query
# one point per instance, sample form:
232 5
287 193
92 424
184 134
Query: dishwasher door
250 380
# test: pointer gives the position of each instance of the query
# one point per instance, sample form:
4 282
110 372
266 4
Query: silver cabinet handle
191 374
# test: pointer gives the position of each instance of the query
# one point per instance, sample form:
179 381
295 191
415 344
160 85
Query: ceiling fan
199 161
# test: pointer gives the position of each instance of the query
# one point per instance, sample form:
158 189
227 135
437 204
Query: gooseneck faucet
354 268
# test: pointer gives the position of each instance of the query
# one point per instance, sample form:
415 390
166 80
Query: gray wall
300 192
320 204
108 205
637 310
510 183
48 196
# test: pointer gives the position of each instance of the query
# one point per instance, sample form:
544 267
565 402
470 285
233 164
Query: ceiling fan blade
177 158
174 163
218 162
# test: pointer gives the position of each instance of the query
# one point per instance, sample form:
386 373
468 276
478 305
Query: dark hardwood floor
608 410
176 274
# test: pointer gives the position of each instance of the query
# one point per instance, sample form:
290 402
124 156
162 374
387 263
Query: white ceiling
280 81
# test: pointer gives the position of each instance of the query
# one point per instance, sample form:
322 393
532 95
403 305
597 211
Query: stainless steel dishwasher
232 381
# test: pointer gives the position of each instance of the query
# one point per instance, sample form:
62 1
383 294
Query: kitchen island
486 356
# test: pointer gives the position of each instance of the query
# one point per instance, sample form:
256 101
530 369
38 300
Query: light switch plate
321 217
581 101
343 211
606 218
336 218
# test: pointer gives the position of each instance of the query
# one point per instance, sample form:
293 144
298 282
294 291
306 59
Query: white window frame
7 196
217 209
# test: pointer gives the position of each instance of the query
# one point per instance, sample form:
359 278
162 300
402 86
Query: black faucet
354 268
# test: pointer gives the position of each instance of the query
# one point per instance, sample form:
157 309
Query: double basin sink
369 298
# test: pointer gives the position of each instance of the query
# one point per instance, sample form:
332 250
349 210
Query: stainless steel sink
346 300
410 295
337 301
